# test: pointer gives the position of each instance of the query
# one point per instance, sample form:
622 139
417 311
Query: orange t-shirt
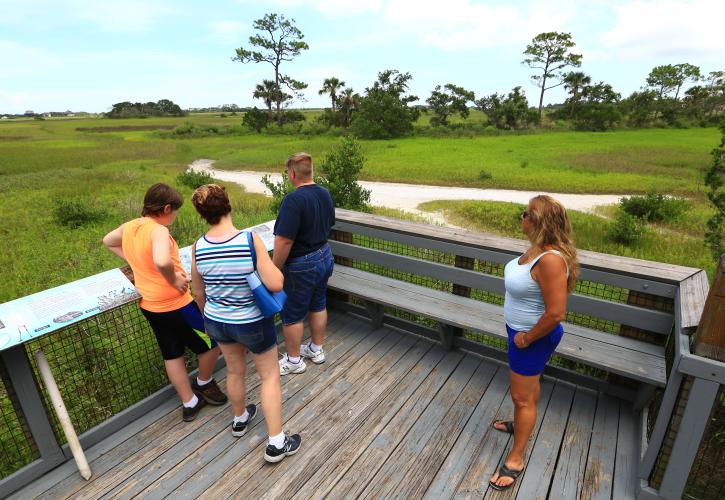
157 295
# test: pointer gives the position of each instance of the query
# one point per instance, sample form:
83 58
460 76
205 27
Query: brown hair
212 202
301 163
551 227
157 197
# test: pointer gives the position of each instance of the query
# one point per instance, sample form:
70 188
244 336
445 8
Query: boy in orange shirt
153 254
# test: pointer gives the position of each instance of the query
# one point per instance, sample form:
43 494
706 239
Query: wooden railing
455 261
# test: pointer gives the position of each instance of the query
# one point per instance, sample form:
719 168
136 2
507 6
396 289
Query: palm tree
574 82
348 102
267 91
331 86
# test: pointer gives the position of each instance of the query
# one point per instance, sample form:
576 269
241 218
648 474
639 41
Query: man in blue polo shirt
301 251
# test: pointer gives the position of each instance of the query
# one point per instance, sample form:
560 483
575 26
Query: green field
109 163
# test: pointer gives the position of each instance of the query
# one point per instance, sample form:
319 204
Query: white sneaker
316 357
286 366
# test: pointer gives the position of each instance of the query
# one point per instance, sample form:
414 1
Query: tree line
386 109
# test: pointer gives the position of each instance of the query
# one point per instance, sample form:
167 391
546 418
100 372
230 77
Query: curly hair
551 227
212 202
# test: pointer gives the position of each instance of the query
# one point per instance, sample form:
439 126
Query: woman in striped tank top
221 260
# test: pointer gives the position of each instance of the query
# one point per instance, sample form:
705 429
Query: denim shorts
259 337
532 359
305 283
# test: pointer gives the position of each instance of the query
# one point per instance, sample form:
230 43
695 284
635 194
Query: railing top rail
655 271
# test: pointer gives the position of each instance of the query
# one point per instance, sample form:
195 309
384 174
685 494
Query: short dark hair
158 196
212 202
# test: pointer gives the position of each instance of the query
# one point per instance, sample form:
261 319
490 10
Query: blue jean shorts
305 283
532 359
259 337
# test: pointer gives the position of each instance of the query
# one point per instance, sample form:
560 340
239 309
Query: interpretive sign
44 312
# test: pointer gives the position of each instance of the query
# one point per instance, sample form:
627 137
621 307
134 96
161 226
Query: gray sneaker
316 357
286 366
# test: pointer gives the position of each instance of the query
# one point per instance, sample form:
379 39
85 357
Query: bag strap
250 241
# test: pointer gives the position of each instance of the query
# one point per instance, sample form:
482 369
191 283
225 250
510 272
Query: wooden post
344 237
709 342
463 291
710 335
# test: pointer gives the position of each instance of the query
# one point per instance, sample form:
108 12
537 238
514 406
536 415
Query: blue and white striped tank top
223 267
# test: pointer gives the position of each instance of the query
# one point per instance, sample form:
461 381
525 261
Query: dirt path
407 197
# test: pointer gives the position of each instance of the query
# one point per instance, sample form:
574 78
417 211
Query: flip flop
507 423
504 471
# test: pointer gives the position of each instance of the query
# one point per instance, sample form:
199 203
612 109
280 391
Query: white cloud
117 16
329 8
18 60
668 30
228 31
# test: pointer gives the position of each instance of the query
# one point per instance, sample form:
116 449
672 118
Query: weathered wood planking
542 461
625 265
426 461
327 427
220 473
693 294
122 445
403 455
359 474
569 474
626 463
470 444
615 354
247 468
547 394
211 439
599 475
420 379
124 460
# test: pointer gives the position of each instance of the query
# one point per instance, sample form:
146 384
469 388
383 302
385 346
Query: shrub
77 212
279 190
626 229
256 119
654 207
193 179
484 175
340 169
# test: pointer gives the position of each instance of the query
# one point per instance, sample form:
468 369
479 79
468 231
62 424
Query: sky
85 55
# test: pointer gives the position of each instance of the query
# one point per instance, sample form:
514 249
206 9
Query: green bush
77 212
654 207
340 169
626 229
193 179
279 190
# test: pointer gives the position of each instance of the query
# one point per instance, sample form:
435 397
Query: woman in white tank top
537 284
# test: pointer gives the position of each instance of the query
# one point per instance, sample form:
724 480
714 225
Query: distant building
47 115
4 117
29 112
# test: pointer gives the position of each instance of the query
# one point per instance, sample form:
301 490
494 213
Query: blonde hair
551 227
301 163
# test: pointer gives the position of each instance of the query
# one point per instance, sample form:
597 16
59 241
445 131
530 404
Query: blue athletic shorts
259 336
533 359
305 283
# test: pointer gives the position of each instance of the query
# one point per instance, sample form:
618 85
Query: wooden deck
388 415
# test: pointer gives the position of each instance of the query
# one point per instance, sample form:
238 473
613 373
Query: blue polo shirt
306 216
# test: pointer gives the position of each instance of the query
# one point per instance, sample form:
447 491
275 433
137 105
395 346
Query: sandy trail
407 197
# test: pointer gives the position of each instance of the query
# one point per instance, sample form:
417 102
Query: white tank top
524 303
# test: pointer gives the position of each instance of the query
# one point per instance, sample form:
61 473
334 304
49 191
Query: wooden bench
638 360
621 355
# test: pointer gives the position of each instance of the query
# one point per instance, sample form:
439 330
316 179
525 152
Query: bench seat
630 358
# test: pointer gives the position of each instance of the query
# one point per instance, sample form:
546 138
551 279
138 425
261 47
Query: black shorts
178 329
